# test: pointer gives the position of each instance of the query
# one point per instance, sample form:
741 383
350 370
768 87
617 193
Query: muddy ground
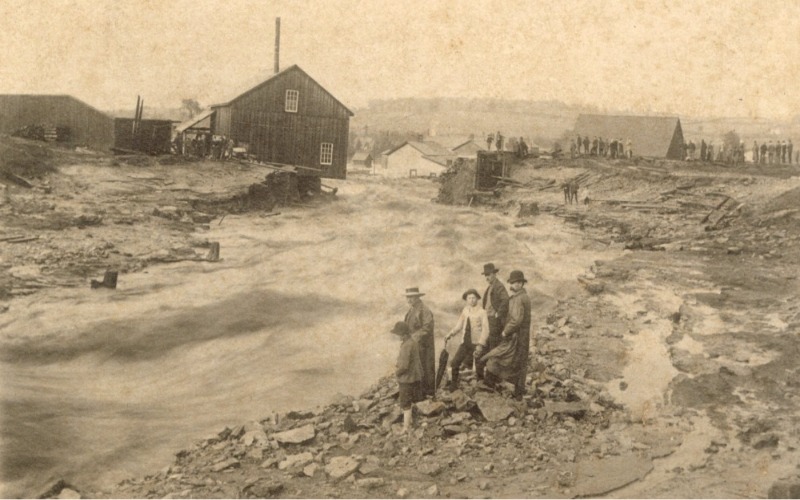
665 329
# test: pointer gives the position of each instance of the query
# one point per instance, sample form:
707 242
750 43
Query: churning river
98 386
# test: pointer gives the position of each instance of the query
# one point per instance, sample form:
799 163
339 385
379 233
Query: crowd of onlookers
766 153
778 153
609 148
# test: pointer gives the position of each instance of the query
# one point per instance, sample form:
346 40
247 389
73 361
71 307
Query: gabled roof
191 122
650 135
472 142
269 80
361 156
427 148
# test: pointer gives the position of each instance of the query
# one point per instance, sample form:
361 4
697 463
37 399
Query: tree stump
109 281
213 252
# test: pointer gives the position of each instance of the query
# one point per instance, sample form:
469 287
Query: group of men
609 148
726 153
500 355
205 145
518 146
767 153
772 154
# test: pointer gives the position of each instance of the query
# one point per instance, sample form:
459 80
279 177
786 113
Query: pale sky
698 58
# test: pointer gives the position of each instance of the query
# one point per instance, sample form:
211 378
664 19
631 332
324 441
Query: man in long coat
509 360
420 321
495 303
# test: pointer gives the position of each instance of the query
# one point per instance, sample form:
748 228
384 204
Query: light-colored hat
413 292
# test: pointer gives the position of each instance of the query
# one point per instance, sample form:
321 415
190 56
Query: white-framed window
326 153
292 99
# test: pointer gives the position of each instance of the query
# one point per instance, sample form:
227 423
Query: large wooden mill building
289 119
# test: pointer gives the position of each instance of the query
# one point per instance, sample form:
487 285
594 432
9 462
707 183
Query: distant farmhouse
74 120
289 119
416 159
650 136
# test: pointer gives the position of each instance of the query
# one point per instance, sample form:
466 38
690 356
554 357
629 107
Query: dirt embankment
67 215
666 370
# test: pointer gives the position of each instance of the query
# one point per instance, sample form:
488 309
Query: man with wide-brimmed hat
495 303
509 360
420 321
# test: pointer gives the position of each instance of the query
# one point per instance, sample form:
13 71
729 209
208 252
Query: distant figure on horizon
489 141
629 147
789 149
763 153
755 152
586 143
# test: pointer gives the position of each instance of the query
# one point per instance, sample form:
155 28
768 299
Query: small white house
416 159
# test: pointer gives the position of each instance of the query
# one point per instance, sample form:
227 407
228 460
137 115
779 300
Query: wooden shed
147 136
83 123
289 119
650 136
362 159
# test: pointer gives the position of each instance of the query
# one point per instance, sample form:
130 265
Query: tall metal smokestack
277 44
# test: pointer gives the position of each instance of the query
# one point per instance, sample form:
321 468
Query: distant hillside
542 121
458 116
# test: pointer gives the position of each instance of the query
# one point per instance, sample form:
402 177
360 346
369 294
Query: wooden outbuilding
649 136
80 122
145 136
362 159
289 119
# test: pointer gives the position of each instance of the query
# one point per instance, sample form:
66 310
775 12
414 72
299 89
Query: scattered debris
109 280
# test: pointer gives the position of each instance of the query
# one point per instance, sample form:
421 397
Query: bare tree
191 106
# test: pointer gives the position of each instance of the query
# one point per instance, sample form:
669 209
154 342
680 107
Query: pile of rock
356 444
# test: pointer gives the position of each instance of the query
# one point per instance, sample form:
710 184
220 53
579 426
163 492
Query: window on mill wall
292 99
326 153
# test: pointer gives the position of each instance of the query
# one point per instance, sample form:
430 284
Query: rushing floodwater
98 386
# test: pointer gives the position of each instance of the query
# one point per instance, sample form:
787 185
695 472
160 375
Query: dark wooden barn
146 136
289 119
82 124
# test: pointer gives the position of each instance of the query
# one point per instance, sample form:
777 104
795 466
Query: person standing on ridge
495 303
420 322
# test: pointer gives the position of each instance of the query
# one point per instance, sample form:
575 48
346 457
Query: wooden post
213 252
277 44
109 280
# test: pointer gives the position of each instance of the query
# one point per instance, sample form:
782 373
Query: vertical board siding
258 118
86 124
155 136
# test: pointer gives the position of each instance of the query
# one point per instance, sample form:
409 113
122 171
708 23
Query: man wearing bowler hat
509 360
495 303
420 321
